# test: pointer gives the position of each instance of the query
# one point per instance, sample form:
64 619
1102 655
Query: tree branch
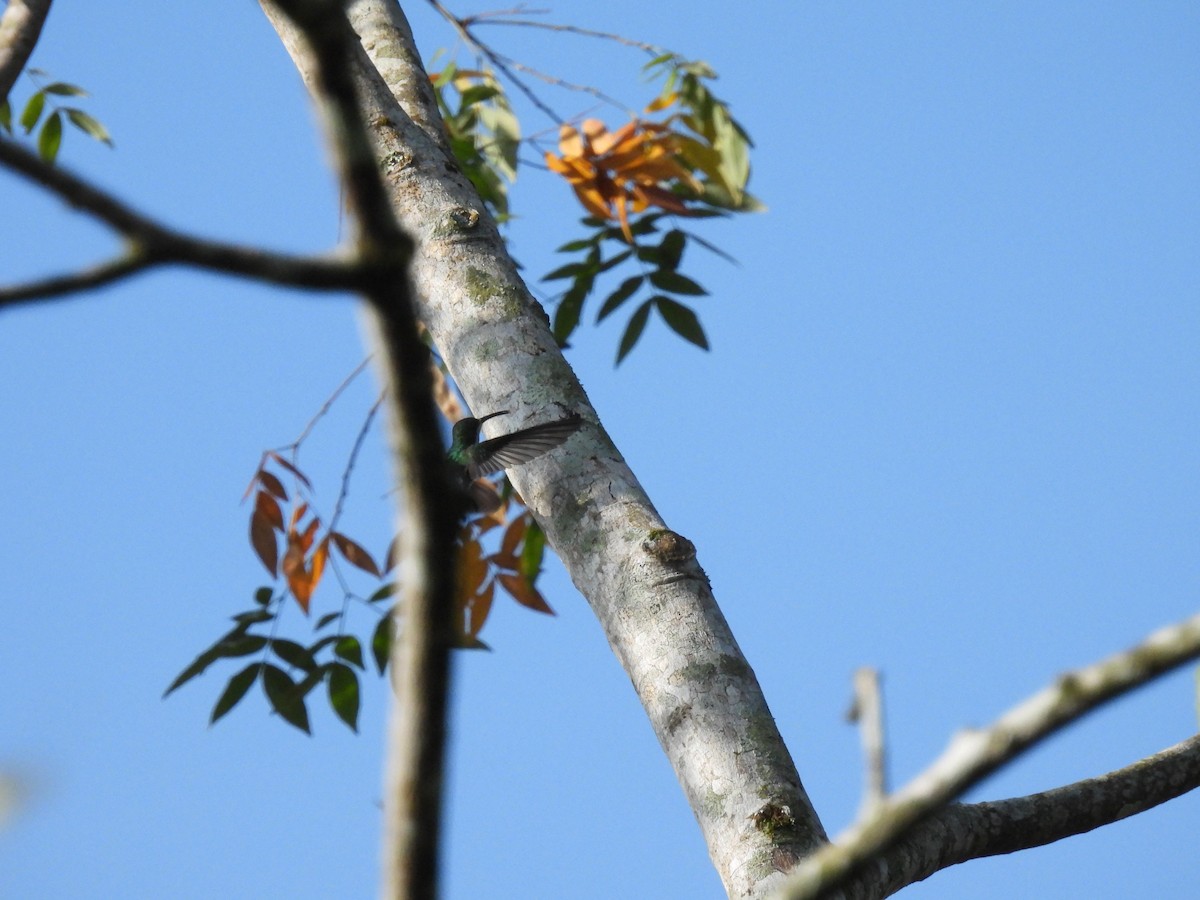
150 243
972 755
867 711
641 579
420 658
962 832
20 26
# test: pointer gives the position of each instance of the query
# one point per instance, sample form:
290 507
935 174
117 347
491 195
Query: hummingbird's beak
503 412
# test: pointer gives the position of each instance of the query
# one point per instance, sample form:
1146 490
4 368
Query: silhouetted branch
330 57
150 243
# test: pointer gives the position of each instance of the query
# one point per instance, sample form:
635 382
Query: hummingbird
475 460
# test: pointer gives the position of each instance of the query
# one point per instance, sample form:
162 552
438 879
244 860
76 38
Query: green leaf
6 116
570 270
651 255
326 619
615 261
667 280
349 649
672 246
50 138
581 244
235 691
63 89
240 644
293 654
89 125
477 93
263 596
196 667
234 643
253 617
285 697
532 551
570 308
343 693
381 642
633 331
33 111
627 289
383 593
682 320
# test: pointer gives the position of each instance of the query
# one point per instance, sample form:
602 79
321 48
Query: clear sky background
948 428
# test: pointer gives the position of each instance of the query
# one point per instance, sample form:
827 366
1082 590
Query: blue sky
947 428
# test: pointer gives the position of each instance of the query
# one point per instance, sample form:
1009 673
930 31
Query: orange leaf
272 484
306 539
317 568
293 569
262 539
662 102
268 507
297 515
291 468
393 554
513 535
524 592
472 568
477 612
355 554
569 141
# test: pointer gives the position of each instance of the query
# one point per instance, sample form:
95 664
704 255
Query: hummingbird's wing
521 446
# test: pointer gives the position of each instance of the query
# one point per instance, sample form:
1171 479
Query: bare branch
57 286
462 26
20 27
867 711
152 243
962 832
490 19
974 754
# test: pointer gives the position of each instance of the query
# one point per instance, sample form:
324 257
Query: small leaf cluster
50 133
287 671
304 556
515 566
298 548
484 134
716 147
657 256
706 177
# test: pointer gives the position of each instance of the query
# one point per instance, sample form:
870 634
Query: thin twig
652 49
867 711
328 404
464 32
354 451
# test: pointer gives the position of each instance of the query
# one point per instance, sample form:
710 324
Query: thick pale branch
20 26
962 832
972 755
641 579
